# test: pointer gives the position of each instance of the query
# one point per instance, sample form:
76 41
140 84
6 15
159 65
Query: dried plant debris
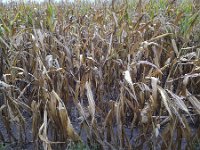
102 75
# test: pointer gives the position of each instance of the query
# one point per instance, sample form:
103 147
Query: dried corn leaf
194 101
4 85
165 99
179 101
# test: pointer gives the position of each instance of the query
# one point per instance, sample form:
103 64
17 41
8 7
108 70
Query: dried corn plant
117 75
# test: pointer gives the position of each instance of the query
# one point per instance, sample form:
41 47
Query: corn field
100 76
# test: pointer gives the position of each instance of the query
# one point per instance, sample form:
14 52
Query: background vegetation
118 75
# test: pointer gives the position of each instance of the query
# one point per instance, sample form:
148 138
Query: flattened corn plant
119 75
